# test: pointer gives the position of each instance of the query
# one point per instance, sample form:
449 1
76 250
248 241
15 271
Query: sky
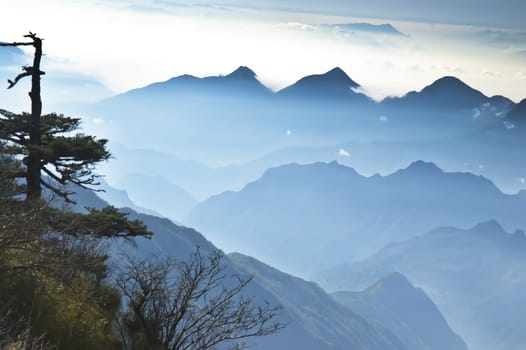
96 48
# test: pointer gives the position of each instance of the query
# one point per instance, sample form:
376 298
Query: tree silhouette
45 142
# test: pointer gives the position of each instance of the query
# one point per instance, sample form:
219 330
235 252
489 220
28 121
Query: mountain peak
242 72
449 81
392 282
451 85
334 83
490 227
423 167
518 112
338 76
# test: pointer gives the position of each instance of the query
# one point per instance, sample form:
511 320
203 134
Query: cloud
520 54
383 118
509 125
491 74
289 132
344 153
522 180
373 35
501 38
521 75
453 70
476 113
301 26
98 121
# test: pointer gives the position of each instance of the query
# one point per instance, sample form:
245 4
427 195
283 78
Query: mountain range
304 217
476 276
235 119
314 320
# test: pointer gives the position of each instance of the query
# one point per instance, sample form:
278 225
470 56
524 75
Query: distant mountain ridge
334 83
223 116
385 28
396 304
476 276
242 81
446 92
329 213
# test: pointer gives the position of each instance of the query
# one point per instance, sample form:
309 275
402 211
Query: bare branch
191 305
16 44
17 79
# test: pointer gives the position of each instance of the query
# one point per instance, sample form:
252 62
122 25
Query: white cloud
522 180
476 113
344 153
521 75
491 74
301 26
289 132
157 45
383 118
509 125
98 121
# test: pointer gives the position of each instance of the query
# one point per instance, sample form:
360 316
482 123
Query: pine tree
45 141
47 146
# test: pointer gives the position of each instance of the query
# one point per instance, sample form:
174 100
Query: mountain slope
476 276
303 217
159 194
334 326
395 304
241 82
518 113
313 320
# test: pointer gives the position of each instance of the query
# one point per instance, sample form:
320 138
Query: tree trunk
34 189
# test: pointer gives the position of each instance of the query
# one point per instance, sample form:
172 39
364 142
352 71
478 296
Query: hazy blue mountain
202 118
518 113
385 28
446 93
329 213
120 199
476 276
199 180
396 304
10 56
159 194
241 82
225 119
447 108
227 130
334 84
333 326
314 320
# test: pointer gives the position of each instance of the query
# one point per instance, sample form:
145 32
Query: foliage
54 270
65 158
